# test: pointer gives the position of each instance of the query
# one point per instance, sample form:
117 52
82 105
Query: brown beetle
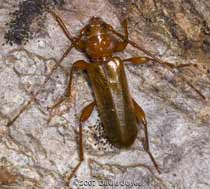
119 112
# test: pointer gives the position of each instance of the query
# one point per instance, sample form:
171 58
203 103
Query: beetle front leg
86 112
142 118
120 45
135 45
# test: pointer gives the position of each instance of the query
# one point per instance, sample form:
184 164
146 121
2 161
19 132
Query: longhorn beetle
119 112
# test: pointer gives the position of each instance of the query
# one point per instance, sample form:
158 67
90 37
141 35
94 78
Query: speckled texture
40 147
21 23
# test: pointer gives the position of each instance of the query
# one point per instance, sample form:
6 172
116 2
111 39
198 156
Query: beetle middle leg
86 112
142 118
78 65
143 60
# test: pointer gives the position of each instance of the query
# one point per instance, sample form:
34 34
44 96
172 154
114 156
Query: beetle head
100 44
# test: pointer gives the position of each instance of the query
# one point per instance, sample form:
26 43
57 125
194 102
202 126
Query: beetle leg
142 118
78 65
155 59
126 41
86 112
137 60
143 60
120 45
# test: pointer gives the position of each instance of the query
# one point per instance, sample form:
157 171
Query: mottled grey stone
40 147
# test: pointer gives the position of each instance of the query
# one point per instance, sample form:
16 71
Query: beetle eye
107 27
87 29
104 25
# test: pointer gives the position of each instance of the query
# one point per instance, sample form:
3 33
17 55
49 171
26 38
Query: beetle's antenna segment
62 25
33 98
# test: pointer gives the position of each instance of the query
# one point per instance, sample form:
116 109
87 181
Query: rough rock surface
40 147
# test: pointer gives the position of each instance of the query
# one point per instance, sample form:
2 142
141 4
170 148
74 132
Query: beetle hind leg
142 118
86 112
